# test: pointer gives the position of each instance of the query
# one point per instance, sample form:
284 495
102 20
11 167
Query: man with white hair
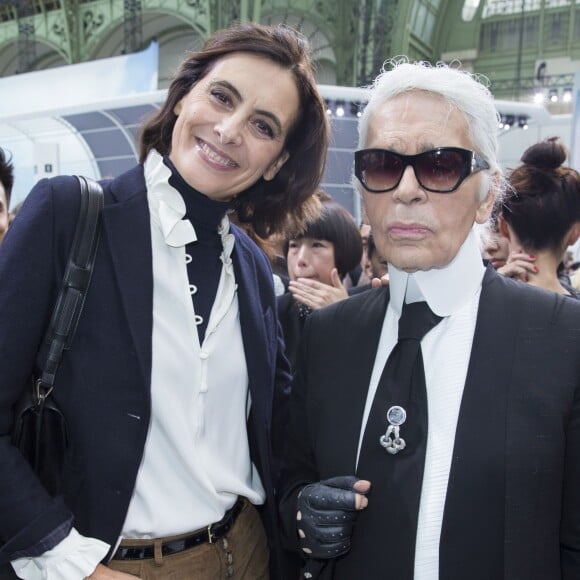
462 460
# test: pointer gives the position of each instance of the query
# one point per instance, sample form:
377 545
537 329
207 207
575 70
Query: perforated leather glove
325 517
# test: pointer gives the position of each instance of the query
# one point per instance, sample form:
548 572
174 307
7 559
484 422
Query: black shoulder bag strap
77 277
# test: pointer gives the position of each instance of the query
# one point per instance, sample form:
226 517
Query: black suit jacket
103 384
514 484
291 326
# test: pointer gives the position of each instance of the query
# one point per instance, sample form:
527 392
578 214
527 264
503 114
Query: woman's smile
231 127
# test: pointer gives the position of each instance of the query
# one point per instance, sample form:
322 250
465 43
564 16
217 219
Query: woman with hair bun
541 215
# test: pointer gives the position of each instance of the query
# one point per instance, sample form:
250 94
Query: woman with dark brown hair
541 216
272 204
177 364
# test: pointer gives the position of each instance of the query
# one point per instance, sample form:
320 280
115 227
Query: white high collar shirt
451 292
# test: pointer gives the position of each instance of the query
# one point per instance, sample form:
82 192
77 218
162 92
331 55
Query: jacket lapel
253 321
352 354
126 227
477 479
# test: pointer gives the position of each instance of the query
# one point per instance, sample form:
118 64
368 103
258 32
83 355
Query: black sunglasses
441 170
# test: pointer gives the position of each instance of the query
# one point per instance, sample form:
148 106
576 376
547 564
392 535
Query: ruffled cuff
74 558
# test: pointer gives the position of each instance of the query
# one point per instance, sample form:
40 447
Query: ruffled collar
169 208
204 213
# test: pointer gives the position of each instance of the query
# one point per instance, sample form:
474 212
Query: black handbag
40 429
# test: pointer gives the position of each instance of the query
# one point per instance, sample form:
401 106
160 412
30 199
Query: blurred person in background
541 216
379 267
575 275
495 245
6 184
14 212
361 274
317 259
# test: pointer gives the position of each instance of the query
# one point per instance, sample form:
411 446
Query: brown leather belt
212 533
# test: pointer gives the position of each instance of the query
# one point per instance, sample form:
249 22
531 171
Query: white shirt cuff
74 558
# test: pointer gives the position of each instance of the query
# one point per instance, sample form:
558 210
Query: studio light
328 107
539 97
356 108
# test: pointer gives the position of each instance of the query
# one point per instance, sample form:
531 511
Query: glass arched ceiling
322 50
424 18
97 140
507 7
469 9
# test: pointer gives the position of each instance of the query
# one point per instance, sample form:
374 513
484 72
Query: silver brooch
391 440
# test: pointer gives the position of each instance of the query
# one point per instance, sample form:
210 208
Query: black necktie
393 461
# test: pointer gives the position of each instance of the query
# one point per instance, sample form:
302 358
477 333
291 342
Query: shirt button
203 355
192 289
198 319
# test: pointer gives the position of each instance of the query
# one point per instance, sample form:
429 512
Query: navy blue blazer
512 509
103 384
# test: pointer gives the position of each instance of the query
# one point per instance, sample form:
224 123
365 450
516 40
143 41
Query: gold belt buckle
210 537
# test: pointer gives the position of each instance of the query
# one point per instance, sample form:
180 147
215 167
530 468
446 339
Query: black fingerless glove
326 515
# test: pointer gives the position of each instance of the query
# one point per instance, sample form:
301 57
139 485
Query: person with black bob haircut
317 259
